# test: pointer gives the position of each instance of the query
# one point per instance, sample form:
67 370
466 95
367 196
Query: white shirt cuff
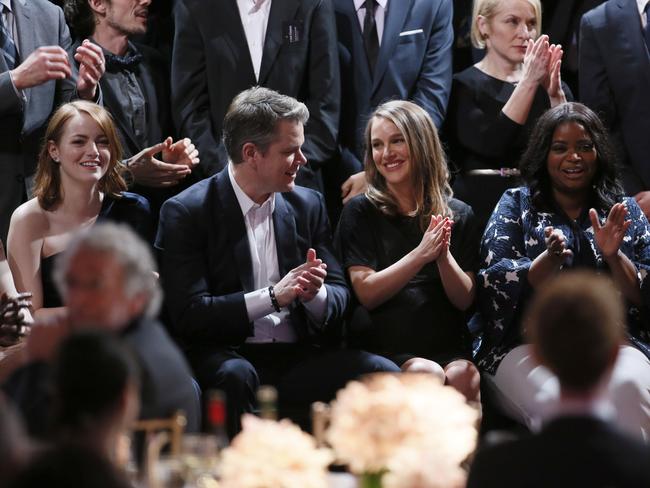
258 304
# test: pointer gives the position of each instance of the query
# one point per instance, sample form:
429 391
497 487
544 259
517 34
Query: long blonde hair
48 174
429 171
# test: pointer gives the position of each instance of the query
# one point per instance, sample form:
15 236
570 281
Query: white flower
382 423
270 454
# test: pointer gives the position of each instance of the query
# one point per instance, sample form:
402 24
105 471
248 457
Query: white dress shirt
380 14
641 6
254 15
269 325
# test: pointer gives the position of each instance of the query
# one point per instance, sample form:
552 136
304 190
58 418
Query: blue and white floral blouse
514 237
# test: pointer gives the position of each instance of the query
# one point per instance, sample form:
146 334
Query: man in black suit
254 289
107 280
614 79
136 91
398 50
575 326
223 48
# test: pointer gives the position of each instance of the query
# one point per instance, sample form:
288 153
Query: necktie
370 37
646 31
7 45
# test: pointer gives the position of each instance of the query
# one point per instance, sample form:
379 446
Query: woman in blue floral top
571 214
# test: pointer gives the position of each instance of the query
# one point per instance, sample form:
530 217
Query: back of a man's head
575 325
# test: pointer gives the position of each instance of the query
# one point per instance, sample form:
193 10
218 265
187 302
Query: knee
374 363
421 365
366 363
465 378
236 375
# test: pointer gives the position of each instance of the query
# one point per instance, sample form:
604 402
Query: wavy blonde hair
429 171
487 9
48 174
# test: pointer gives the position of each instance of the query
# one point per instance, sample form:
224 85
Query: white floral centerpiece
405 430
270 454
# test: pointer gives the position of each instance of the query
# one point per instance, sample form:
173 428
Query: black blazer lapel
281 12
395 18
236 39
111 100
624 18
232 221
285 236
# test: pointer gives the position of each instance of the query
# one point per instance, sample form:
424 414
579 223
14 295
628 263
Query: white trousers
527 391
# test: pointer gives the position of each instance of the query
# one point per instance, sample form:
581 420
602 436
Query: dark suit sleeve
338 294
190 97
595 89
66 89
434 82
323 89
197 315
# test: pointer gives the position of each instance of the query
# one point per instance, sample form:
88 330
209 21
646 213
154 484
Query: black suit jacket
569 451
153 77
211 64
166 378
615 79
206 265
414 63
166 381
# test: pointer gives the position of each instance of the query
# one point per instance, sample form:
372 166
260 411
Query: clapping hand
181 156
610 235
181 152
91 68
14 317
536 60
552 83
556 243
303 281
435 240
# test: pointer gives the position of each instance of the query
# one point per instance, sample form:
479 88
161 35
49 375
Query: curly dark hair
80 18
606 187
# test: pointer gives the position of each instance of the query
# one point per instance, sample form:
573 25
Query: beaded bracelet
274 301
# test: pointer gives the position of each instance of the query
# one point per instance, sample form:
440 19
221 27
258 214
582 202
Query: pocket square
292 31
411 32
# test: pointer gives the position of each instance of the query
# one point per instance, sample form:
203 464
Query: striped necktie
7 45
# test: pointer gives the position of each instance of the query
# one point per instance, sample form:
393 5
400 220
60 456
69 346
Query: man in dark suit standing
36 75
614 81
135 89
575 326
253 287
389 49
223 48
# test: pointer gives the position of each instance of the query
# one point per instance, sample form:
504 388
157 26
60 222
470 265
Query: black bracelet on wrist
274 301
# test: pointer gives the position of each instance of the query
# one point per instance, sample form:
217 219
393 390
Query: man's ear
137 304
249 152
98 6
